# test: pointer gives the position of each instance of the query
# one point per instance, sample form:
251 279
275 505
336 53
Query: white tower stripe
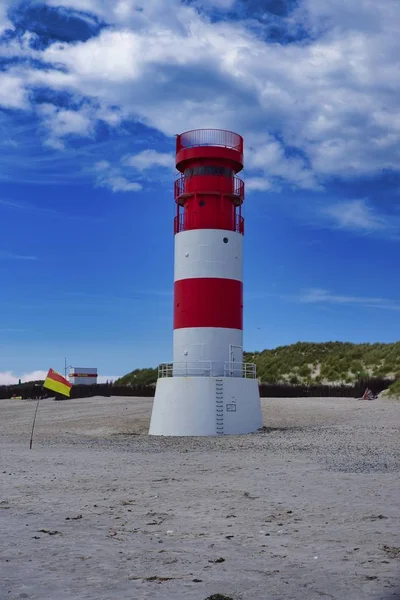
193 344
208 253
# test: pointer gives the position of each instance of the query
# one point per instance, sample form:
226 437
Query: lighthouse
207 389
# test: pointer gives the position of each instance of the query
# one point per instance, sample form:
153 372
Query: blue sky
91 95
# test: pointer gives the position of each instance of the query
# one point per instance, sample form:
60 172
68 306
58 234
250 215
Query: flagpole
33 425
66 367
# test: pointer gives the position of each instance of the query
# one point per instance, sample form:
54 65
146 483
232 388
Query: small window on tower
202 203
225 240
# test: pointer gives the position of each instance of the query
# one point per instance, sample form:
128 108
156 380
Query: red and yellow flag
57 383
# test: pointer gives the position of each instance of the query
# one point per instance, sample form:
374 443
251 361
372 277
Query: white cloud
5 23
326 105
356 214
268 155
9 378
257 184
107 378
39 210
62 122
112 178
91 6
148 159
12 92
317 295
365 15
129 13
11 256
321 296
102 165
119 183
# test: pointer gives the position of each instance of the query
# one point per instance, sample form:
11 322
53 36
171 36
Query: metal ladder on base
219 398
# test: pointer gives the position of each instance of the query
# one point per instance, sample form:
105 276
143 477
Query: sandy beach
97 510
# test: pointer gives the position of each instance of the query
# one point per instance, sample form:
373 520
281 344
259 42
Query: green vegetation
310 363
139 377
394 389
326 363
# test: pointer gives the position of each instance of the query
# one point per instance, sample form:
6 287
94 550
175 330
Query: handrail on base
207 368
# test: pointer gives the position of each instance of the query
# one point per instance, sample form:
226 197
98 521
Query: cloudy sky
91 95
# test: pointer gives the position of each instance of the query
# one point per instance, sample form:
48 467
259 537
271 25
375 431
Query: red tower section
208 193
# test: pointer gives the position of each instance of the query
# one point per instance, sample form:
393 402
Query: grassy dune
307 363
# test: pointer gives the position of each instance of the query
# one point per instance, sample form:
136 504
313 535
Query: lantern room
208 193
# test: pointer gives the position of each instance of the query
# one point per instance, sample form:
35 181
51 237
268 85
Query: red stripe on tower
208 302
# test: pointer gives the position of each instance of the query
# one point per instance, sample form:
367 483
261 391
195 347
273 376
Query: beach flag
57 383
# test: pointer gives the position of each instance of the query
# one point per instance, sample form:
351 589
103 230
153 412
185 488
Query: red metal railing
240 224
209 137
180 223
238 188
179 189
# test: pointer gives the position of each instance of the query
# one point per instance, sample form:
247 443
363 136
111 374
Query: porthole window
202 203
225 240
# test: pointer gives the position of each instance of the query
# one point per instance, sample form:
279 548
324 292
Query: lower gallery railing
207 368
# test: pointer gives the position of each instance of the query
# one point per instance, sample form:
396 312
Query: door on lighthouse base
235 361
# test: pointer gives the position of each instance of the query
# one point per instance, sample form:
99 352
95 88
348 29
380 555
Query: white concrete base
200 406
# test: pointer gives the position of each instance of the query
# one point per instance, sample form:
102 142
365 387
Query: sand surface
97 510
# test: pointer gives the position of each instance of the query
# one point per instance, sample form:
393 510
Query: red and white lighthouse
208 389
